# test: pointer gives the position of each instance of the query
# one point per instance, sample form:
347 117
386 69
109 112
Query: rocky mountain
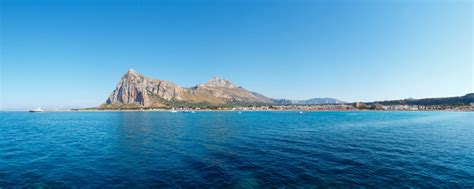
136 90
313 101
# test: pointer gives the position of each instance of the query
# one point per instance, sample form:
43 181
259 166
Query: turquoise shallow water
227 149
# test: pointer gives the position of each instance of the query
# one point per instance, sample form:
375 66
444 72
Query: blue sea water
231 150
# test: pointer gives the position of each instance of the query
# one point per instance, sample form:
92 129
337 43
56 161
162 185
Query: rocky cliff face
137 90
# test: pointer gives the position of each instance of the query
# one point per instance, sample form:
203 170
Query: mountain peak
218 82
131 73
216 78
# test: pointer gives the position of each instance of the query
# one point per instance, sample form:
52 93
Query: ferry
37 110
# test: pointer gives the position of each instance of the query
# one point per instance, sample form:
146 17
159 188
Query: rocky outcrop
217 82
138 89
141 91
229 93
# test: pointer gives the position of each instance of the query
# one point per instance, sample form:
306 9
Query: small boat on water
174 111
36 110
301 112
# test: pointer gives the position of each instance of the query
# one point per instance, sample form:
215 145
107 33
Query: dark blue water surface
227 149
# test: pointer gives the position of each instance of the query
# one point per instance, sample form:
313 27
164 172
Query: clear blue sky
72 53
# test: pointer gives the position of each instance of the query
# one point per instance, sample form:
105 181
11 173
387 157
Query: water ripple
230 150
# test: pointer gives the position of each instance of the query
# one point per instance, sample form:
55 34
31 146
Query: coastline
292 110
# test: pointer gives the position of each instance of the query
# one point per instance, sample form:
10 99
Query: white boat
193 112
301 112
37 110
